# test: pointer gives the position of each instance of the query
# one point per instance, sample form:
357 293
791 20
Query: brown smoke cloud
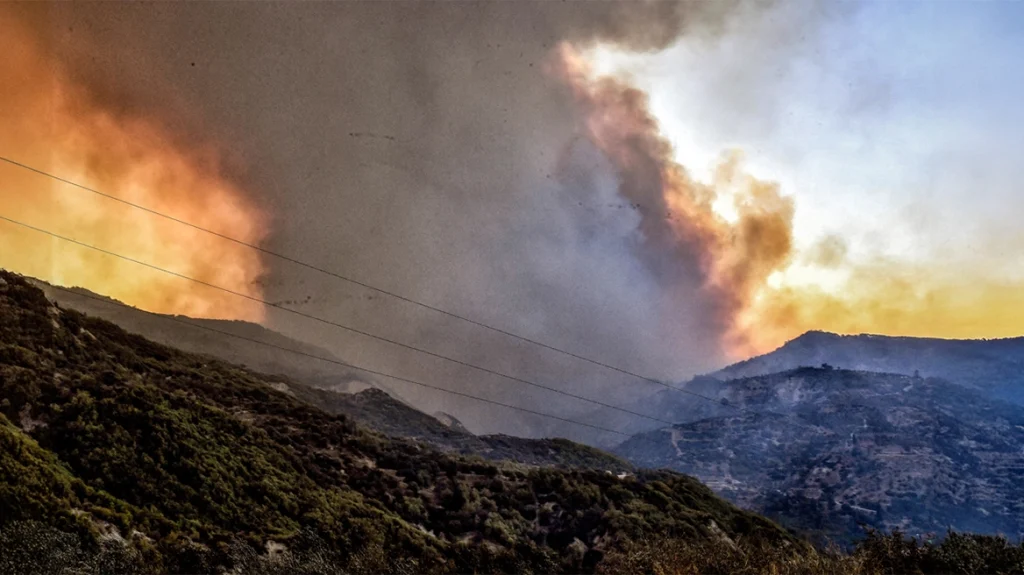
53 124
424 148
695 252
829 252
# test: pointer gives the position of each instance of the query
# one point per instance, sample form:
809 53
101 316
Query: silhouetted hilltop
994 367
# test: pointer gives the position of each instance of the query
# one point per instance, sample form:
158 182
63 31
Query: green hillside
197 465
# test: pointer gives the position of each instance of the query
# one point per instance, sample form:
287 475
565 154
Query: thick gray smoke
420 147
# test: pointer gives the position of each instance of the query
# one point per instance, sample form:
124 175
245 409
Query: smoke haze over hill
459 172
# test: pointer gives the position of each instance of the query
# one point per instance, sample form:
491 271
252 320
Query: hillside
330 387
826 450
191 462
993 367
231 341
381 412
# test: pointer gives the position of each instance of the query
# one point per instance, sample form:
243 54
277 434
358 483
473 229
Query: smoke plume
706 265
458 153
49 122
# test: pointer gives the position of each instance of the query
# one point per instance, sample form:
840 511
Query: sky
896 129
897 126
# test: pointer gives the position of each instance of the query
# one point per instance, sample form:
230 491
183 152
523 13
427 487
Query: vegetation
317 382
376 409
195 466
878 554
825 451
118 455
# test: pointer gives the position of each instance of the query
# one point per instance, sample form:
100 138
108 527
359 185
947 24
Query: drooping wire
330 322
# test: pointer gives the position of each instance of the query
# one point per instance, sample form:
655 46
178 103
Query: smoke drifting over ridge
427 148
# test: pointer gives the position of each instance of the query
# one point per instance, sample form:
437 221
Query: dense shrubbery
33 548
118 455
192 462
877 554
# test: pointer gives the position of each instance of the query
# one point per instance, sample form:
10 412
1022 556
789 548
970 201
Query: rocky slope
827 450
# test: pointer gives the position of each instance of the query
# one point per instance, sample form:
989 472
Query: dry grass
878 554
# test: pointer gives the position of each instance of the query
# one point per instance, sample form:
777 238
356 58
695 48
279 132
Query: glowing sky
896 127
51 123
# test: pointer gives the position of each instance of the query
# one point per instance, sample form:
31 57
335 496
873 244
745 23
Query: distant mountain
825 450
163 461
201 336
994 367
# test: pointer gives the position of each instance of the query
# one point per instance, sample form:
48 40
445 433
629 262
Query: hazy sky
895 125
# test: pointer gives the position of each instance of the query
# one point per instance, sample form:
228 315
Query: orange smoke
733 258
50 123
691 247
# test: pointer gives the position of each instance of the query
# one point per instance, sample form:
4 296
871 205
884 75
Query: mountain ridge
815 447
993 366
333 388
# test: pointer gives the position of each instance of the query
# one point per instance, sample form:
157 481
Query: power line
168 318
295 261
791 418
333 361
335 324
375 289
397 378
336 275
337 362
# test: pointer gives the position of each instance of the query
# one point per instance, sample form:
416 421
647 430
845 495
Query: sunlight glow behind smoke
723 258
827 285
48 122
